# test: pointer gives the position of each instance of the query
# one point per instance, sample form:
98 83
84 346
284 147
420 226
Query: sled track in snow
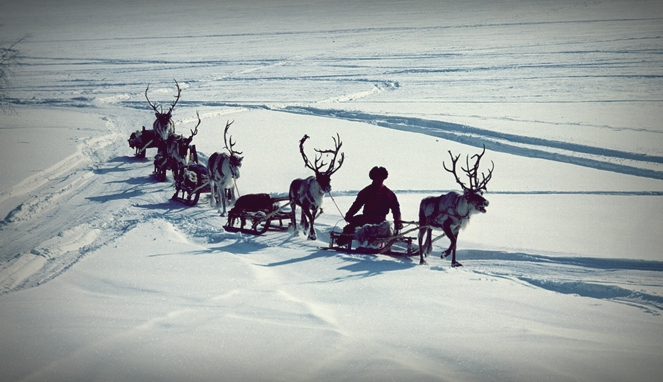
532 147
598 278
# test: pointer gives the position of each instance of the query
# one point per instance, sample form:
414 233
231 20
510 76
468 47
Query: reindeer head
323 177
162 117
474 193
235 158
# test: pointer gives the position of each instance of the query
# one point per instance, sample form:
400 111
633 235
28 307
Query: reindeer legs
303 221
307 219
217 196
311 216
425 243
224 199
307 222
452 234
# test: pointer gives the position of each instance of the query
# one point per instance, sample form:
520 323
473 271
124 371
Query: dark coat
377 201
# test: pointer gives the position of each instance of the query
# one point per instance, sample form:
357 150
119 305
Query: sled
399 244
141 140
256 213
191 180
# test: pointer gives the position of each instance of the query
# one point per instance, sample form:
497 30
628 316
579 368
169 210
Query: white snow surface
104 277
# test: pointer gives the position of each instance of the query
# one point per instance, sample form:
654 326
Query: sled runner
258 211
394 244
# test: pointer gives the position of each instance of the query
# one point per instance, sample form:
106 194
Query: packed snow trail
74 207
101 192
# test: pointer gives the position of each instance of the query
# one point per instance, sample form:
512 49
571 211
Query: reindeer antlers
226 140
195 131
172 106
472 173
333 165
177 98
337 146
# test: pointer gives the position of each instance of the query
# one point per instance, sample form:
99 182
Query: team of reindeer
449 212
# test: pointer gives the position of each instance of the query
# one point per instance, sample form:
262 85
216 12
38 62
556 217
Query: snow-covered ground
103 277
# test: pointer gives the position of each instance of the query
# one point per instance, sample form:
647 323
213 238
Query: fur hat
378 173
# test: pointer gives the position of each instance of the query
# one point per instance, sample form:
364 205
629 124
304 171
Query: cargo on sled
256 213
376 239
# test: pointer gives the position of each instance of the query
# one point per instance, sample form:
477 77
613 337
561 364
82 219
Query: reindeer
191 176
164 126
223 169
174 154
307 193
179 150
452 211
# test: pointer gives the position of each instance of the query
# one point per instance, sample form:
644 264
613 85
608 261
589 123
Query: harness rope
339 210
145 147
236 188
438 212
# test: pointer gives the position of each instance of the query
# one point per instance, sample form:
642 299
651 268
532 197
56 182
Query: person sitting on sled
377 200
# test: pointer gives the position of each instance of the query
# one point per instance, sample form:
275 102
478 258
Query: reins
458 216
147 144
236 188
339 210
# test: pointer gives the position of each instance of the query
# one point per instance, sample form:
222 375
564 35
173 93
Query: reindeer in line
451 212
174 154
179 151
307 193
223 169
164 126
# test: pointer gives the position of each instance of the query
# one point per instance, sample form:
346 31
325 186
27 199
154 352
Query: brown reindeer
452 211
307 193
174 154
164 126
179 150
223 169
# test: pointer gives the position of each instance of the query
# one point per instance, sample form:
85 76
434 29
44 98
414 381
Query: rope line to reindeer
145 147
339 210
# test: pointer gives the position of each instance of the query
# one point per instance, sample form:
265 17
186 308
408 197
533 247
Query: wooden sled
256 213
400 244
191 180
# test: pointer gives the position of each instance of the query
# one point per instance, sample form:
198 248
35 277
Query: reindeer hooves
456 264
423 262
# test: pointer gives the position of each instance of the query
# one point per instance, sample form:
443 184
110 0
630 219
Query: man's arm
356 206
396 211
